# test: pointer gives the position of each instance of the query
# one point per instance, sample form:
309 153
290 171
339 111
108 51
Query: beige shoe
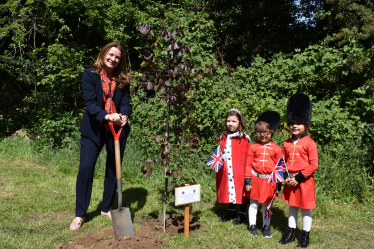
107 215
76 224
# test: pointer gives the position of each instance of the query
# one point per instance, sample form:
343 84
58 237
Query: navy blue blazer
94 114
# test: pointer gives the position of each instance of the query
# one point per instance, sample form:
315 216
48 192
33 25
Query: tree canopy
263 50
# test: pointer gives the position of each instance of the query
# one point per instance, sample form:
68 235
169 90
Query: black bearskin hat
271 117
299 109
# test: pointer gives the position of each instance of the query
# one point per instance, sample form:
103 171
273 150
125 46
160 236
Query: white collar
236 134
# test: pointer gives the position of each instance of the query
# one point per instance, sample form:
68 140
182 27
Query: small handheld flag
216 160
277 175
284 165
268 213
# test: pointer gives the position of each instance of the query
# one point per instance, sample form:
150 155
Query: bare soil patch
145 237
174 225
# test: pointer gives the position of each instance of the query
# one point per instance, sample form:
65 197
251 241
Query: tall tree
265 27
348 21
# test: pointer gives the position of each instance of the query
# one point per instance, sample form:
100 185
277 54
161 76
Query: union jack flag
277 175
268 213
216 160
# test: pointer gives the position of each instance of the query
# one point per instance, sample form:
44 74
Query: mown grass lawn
37 205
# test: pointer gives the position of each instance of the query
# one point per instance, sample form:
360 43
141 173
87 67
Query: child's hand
292 182
287 182
248 188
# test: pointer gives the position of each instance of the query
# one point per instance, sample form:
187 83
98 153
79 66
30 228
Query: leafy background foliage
263 51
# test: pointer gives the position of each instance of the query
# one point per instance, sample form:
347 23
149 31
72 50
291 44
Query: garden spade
121 218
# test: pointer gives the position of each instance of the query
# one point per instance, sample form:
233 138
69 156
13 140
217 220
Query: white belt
261 176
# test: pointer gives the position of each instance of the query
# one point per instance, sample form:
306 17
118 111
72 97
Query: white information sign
187 194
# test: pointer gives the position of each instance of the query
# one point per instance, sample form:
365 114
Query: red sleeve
247 150
312 159
248 166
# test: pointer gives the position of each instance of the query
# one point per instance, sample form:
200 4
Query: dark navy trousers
89 153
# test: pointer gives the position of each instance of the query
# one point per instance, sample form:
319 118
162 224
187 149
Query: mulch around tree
145 237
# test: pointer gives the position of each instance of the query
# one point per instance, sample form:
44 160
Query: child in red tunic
230 178
300 153
262 158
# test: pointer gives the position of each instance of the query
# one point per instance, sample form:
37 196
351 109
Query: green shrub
342 173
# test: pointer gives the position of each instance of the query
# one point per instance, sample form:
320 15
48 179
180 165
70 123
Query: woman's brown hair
121 77
242 128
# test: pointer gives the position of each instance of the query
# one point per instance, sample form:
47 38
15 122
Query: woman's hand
123 120
115 118
248 188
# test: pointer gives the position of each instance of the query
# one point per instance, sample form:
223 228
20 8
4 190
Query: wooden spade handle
118 162
118 159
116 149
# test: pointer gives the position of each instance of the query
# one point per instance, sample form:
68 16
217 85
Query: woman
106 92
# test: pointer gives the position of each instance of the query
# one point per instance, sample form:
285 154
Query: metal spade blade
122 224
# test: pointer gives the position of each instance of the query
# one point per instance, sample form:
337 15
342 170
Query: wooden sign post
185 196
187 220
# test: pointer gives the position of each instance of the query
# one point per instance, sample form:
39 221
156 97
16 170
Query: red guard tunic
262 158
301 157
238 156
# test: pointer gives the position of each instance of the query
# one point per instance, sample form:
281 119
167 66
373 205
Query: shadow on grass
129 196
93 214
279 219
221 210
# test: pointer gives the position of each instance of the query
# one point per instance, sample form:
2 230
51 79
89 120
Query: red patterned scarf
109 88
